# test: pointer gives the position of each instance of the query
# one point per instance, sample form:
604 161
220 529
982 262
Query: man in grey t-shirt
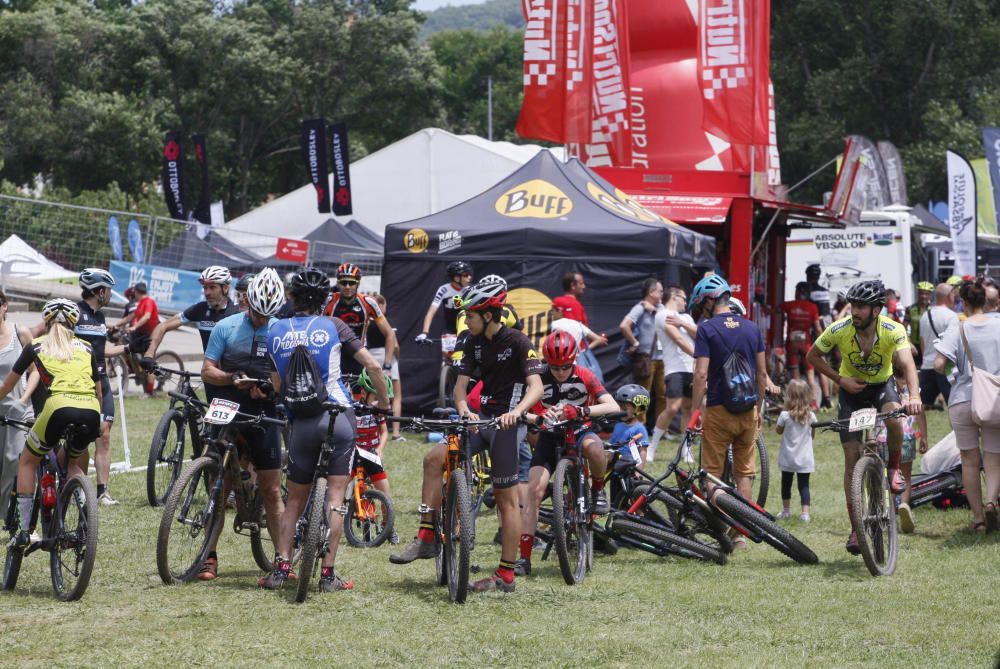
933 324
639 328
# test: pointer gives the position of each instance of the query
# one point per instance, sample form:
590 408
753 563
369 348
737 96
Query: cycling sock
426 531
654 441
101 488
25 504
894 458
527 543
326 572
506 571
597 483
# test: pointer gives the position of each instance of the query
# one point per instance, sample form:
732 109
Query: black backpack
739 390
302 389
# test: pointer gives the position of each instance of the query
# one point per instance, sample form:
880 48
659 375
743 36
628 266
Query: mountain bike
873 509
193 513
370 514
69 522
455 521
127 365
184 417
744 516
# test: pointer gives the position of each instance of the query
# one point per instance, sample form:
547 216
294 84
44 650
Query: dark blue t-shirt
717 337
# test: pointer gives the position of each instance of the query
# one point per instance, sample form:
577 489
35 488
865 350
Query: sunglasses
561 368
347 282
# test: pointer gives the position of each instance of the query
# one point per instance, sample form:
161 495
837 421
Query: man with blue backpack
729 376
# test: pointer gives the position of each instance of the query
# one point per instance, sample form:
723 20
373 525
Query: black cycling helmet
812 272
635 395
801 287
867 293
309 286
244 283
458 267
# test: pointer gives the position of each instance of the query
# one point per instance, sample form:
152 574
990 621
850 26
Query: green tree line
87 88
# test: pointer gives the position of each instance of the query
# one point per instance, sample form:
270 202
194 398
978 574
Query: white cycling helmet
483 296
93 278
736 306
491 279
62 311
216 274
265 293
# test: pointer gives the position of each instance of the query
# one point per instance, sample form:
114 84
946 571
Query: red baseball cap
565 304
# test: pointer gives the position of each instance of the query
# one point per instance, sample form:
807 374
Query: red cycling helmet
559 348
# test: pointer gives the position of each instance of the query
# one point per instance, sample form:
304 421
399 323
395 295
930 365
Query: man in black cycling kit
95 285
460 276
511 373
204 315
238 365
361 313
871 346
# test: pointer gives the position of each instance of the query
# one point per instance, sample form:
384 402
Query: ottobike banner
962 213
893 164
172 289
991 145
203 210
173 175
341 170
313 143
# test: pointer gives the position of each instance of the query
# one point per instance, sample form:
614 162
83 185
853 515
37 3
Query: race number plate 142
862 419
221 412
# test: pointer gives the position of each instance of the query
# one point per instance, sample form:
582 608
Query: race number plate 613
221 412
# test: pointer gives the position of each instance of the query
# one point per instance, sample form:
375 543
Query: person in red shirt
803 324
145 318
569 302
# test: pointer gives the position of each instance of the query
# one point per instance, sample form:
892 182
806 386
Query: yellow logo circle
622 204
533 307
534 199
416 240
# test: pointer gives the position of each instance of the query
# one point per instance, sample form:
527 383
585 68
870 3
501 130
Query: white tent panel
18 259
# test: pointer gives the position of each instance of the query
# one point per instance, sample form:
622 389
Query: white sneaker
784 515
106 499
905 519
804 517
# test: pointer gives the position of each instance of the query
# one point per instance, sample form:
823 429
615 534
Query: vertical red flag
733 71
543 110
610 142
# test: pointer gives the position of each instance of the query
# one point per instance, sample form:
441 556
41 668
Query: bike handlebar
428 424
844 424
166 371
539 422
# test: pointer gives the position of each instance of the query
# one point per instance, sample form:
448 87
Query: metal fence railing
44 245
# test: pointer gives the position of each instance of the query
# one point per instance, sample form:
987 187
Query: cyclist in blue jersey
324 337
238 366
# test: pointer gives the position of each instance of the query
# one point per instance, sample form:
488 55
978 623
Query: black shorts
547 449
503 448
107 401
306 442
679 384
874 396
139 343
933 384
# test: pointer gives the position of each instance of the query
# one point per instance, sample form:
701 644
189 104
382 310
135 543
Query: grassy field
760 610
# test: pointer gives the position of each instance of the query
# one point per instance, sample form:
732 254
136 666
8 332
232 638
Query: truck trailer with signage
885 245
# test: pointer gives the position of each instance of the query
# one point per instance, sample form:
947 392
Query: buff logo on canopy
534 199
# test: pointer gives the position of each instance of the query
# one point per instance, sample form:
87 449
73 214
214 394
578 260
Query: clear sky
428 5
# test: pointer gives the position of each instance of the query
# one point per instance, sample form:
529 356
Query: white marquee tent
19 260
427 172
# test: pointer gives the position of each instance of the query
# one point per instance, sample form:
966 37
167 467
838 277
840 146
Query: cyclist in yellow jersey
68 371
870 345
508 316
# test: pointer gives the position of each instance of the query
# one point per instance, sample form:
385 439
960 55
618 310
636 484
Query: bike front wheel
571 520
315 533
166 457
370 524
662 540
768 530
459 532
191 520
72 558
873 516
169 360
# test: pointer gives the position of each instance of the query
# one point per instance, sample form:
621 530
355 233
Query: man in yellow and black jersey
870 346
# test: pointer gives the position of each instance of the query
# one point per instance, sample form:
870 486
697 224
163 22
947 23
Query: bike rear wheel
166 456
760 482
570 523
770 532
191 520
663 540
873 515
684 518
169 360
371 524
13 557
117 371
260 538
72 558
315 533
440 568
458 526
